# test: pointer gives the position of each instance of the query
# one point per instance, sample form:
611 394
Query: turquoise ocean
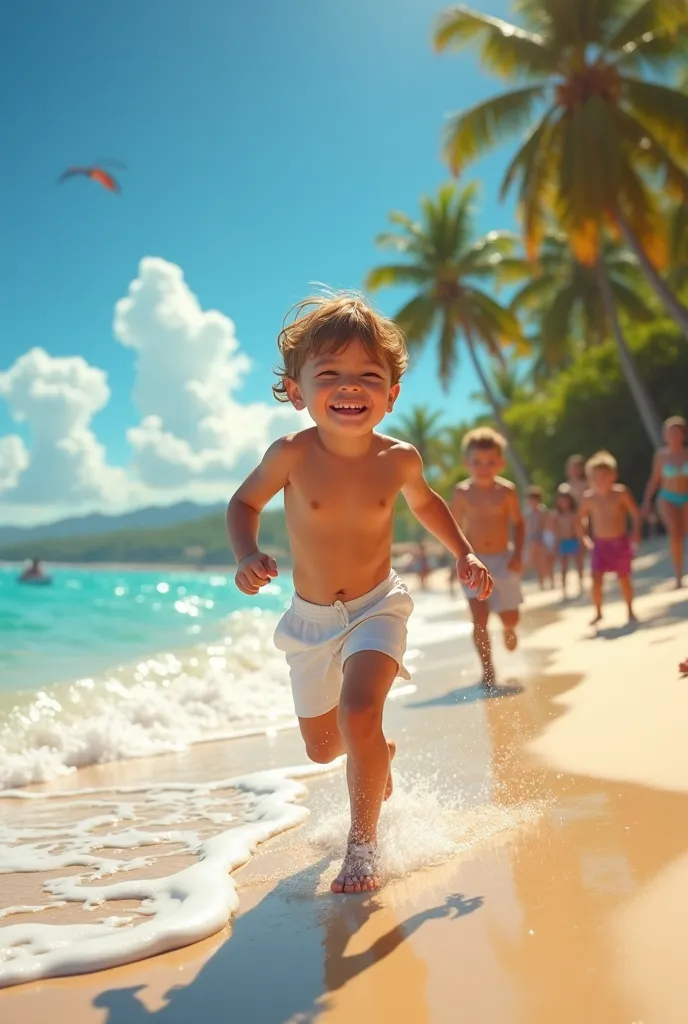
117 662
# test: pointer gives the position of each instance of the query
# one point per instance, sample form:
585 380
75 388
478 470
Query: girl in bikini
568 545
669 480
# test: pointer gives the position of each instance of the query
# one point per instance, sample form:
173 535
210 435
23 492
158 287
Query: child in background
537 556
607 506
568 543
488 509
575 477
344 634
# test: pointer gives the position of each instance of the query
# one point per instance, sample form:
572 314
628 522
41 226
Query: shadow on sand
278 966
468 695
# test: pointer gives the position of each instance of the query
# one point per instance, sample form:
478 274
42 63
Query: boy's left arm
516 517
634 515
433 513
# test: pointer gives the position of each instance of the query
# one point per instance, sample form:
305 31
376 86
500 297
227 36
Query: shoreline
564 896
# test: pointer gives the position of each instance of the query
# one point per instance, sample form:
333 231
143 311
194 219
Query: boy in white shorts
488 509
344 635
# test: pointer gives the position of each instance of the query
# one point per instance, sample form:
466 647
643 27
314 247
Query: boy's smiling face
346 392
602 480
484 464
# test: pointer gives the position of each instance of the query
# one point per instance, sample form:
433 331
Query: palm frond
506 49
654 50
471 132
497 325
391 274
631 302
533 297
417 319
663 111
648 17
447 348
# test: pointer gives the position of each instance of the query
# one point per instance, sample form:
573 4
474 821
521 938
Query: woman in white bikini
669 480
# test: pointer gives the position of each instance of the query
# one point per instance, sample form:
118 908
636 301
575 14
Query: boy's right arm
583 523
254 568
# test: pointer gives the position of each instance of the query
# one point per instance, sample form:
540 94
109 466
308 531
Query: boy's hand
473 574
515 564
254 571
636 537
588 543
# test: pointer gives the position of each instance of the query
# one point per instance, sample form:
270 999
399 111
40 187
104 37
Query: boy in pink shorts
607 506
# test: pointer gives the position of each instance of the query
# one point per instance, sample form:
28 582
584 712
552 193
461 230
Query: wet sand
577 912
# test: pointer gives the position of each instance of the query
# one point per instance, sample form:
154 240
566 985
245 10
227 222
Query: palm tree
599 135
507 385
421 429
446 264
570 311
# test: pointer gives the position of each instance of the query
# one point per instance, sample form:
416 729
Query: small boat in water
34 574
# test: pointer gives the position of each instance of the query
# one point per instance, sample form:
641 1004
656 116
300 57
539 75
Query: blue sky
264 145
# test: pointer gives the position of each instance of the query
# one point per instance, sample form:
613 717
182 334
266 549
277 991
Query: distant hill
196 541
97 524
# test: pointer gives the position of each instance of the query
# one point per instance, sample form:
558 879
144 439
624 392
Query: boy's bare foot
598 618
683 667
510 639
359 870
390 783
488 681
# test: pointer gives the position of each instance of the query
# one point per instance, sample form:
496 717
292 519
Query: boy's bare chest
318 492
486 505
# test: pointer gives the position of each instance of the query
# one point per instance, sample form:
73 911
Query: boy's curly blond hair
601 460
482 439
329 324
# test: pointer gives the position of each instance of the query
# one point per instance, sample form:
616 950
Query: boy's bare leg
580 566
480 610
626 587
564 573
368 676
597 578
510 622
324 742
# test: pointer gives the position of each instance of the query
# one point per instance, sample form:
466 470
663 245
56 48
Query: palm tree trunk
641 396
520 471
671 302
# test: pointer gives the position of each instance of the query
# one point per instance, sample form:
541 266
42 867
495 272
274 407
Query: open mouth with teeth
348 408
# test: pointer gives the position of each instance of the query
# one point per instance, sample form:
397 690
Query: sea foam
173 909
236 685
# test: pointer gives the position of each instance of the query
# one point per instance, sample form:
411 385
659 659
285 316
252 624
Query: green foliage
588 407
596 131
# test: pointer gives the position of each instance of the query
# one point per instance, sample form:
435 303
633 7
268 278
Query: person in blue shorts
568 546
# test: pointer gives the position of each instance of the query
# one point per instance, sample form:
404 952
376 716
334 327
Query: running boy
344 635
486 506
607 506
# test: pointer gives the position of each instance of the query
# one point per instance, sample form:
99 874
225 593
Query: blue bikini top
671 471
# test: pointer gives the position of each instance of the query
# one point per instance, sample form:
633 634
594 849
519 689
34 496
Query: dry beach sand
537 844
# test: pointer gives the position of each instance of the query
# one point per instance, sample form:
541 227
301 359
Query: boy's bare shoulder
296 442
401 451
504 485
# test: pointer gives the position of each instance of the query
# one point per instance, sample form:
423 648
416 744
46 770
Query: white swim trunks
506 594
317 639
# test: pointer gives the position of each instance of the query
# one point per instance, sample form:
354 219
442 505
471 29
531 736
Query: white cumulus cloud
57 399
14 458
188 368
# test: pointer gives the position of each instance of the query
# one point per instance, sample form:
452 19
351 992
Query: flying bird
95 173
